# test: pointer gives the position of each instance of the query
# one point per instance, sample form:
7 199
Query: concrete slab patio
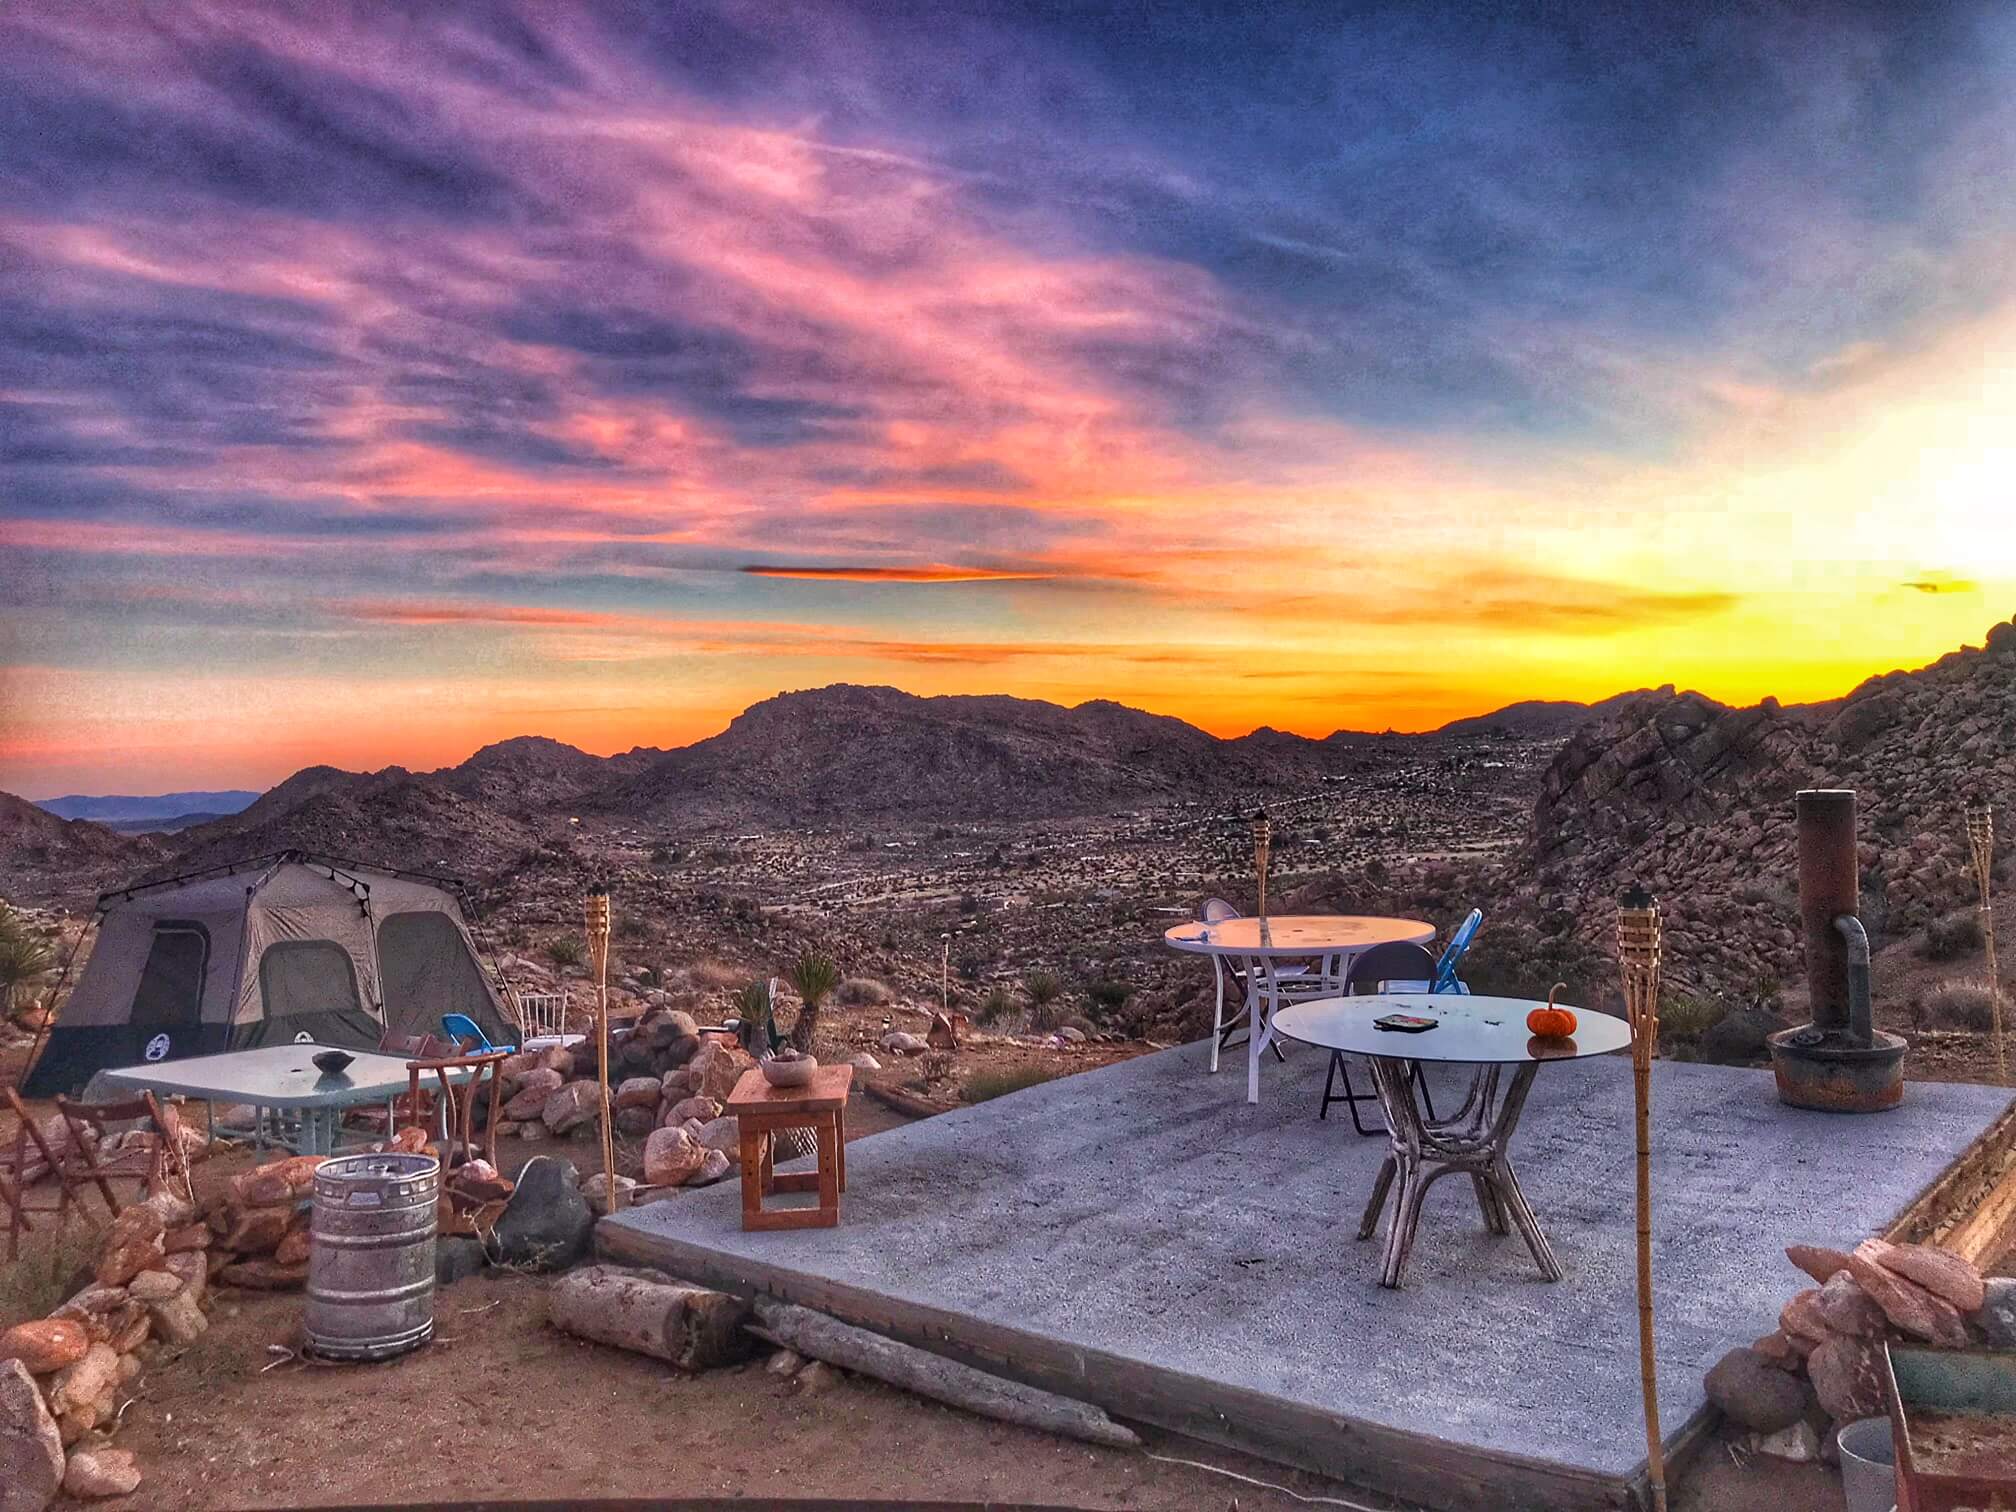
1143 1238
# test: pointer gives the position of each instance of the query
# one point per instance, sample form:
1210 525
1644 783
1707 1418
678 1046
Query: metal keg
371 1256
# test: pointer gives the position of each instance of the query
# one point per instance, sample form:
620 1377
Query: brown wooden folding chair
157 1163
458 1102
16 1181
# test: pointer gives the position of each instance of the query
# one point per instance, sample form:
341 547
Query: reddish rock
1801 1318
559 1059
259 1230
411 1140
1908 1305
1941 1272
130 1245
1846 1379
264 1275
293 1249
670 1157
278 1181
132 1332
717 1067
154 1285
639 1092
192 1236
1817 1260
31 1443
533 1090
95 1473
706 1109
1847 1309
46 1344
1776 1348
515 1066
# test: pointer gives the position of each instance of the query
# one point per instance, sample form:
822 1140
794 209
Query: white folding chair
541 1015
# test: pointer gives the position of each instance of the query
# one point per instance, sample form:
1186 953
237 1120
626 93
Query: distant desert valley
969 847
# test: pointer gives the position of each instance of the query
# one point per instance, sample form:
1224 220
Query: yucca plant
1044 989
753 1008
813 977
24 959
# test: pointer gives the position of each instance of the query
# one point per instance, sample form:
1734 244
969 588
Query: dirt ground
503 1405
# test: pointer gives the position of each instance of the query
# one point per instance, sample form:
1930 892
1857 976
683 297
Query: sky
378 381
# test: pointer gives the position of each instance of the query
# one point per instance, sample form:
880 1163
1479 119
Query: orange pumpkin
1551 1022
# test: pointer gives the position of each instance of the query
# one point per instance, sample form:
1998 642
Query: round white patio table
1333 941
1486 1032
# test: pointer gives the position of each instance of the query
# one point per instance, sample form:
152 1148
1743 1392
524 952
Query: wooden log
687 1326
822 1338
901 1102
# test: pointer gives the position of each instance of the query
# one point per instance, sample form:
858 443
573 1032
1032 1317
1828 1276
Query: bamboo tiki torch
1981 842
1263 850
598 957
1639 952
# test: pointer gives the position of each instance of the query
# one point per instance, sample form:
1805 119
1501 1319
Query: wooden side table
760 1110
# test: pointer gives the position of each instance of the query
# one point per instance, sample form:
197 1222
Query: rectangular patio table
283 1078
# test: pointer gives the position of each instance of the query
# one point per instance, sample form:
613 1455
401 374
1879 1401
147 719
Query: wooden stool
759 1110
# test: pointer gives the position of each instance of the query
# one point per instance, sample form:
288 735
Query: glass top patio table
1476 1031
275 1076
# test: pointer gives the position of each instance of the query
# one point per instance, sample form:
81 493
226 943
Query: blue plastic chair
1459 944
459 1027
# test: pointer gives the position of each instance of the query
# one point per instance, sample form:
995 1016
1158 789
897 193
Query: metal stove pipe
1861 1012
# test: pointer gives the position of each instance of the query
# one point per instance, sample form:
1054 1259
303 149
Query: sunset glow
376 382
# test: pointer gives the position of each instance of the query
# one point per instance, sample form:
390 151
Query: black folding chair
1377 966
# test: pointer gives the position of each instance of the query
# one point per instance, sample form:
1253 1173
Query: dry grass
861 992
1953 935
1684 1020
37 1283
1969 1003
710 975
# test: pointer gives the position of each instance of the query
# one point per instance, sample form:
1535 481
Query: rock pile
668 1085
63 1378
1822 1366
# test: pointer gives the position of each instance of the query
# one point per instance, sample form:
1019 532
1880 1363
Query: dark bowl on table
332 1062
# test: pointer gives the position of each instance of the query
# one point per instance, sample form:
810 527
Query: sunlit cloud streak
482 337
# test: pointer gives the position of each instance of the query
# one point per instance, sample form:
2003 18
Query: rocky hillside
845 753
1694 799
1535 718
44 857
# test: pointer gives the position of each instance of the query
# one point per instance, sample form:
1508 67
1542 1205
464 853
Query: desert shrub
650 976
1045 991
632 927
1108 996
710 975
567 950
1952 935
984 1086
1965 1004
997 1007
861 992
814 978
1684 1020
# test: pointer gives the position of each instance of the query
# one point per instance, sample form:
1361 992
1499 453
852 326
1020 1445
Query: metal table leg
1475 1141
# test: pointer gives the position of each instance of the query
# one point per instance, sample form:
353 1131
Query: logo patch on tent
304 1038
157 1048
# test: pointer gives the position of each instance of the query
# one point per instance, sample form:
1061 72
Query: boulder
154 1285
193 1236
638 1092
716 1166
703 1108
717 1067
1995 1319
1846 1309
46 1344
547 1223
258 1231
724 1134
1908 1305
575 1104
130 1245
1777 1349
1846 1379
293 1248
456 1258
1817 1260
671 1156
1754 1393
512 1067
634 1123
861 1060
531 1094
558 1058
276 1182
95 1473
82 1381
31 1445
900 1042
1800 1317
179 1320
1939 1271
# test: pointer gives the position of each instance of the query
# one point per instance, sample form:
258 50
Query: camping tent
284 947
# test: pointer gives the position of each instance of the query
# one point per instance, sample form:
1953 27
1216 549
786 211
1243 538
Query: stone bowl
794 1073
332 1062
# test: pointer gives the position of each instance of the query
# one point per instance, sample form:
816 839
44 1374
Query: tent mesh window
170 993
427 971
304 977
